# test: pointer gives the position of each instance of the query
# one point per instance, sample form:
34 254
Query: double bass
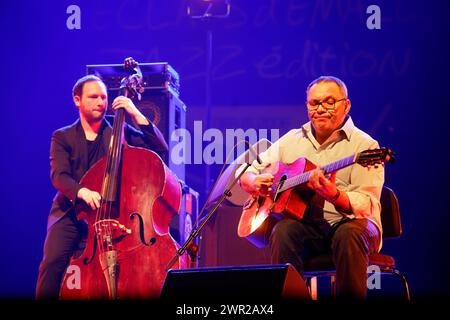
128 244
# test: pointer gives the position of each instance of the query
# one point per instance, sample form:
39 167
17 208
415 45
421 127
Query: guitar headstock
375 156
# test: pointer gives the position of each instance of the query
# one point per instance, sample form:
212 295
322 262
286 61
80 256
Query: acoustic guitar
290 195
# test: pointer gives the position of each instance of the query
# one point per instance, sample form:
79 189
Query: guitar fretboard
329 168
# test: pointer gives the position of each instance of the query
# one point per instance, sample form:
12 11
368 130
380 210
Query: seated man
344 216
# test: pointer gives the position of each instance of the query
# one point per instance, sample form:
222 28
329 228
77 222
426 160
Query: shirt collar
348 127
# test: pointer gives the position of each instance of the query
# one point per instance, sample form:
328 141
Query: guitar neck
329 168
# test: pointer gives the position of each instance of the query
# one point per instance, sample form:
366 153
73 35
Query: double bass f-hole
141 230
87 261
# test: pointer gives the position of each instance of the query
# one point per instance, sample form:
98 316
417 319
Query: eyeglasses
328 105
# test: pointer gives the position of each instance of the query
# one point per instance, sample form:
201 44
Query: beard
94 115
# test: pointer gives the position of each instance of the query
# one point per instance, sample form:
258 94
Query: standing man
344 216
73 150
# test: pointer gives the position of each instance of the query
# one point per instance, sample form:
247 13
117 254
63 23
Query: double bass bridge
110 230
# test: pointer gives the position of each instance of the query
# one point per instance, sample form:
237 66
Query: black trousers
62 241
350 243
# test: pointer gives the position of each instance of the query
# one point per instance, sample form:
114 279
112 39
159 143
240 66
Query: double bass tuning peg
130 63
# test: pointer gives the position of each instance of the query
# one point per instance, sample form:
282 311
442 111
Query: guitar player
343 218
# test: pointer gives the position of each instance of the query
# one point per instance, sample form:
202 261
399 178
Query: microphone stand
189 245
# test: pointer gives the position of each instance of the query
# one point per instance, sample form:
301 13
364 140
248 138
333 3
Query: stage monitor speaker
231 283
160 101
168 113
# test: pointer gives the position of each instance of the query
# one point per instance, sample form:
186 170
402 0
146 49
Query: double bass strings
109 184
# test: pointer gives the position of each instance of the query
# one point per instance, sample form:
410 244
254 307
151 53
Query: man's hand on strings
323 186
262 184
92 198
130 108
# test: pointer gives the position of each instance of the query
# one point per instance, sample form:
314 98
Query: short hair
78 87
336 80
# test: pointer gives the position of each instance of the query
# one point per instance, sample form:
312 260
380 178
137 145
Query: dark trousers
63 239
350 243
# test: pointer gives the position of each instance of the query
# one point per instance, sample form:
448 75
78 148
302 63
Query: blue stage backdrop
263 56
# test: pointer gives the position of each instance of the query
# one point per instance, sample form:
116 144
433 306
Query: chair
390 219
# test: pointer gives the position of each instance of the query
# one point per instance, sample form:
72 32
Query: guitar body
260 214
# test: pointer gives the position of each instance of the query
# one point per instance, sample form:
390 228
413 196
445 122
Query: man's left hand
130 108
323 186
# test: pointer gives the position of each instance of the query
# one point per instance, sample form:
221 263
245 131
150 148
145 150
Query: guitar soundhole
260 201
279 187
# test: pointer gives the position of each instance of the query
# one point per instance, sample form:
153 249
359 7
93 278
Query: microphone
253 151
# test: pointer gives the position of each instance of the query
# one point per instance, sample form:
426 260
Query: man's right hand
258 184
92 198
263 184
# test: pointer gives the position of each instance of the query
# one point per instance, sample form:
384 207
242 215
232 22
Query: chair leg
333 286
312 286
404 284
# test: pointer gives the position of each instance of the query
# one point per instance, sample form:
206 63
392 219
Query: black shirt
95 150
